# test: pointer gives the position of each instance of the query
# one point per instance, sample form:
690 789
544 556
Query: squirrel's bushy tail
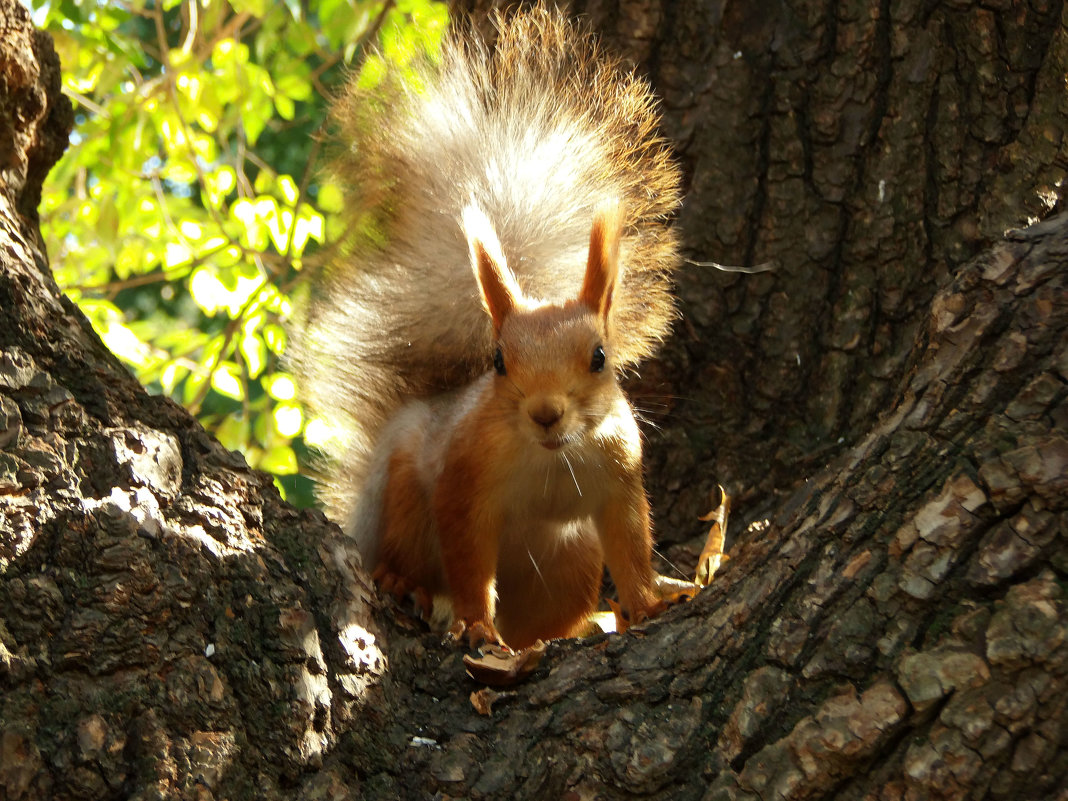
538 132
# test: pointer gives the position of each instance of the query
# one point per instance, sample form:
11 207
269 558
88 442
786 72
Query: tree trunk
887 404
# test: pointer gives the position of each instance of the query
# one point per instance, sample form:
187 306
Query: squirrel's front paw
477 632
625 618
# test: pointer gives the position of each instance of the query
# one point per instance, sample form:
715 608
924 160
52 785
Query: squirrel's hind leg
548 584
401 588
408 552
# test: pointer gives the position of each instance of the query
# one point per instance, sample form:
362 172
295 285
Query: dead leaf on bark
712 556
672 590
499 667
482 700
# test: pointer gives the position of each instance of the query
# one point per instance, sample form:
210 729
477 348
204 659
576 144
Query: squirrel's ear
602 265
498 287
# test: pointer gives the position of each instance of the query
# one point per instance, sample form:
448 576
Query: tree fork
890 625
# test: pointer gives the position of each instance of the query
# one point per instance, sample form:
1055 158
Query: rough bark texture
864 151
160 606
888 405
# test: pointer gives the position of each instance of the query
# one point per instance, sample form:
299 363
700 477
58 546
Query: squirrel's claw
399 588
477 632
626 619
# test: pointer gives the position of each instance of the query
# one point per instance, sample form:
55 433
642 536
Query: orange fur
467 531
538 130
408 541
534 163
602 266
520 487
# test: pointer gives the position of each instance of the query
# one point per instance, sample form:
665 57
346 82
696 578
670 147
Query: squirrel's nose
546 413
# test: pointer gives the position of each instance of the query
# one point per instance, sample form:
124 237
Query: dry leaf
671 590
482 700
712 555
498 667
675 590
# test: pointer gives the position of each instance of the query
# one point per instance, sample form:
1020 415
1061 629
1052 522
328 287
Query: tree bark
887 405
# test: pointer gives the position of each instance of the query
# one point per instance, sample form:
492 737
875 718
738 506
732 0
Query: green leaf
186 202
226 380
254 352
280 460
275 338
233 432
288 419
280 386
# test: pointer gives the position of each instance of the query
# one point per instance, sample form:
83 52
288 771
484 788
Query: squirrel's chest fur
554 486
508 473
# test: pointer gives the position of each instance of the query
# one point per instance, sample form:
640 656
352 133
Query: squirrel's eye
498 362
597 362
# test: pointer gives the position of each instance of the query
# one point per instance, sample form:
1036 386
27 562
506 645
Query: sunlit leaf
188 196
288 419
172 374
309 225
207 290
118 337
254 352
226 381
275 338
280 386
176 254
254 233
318 433
287 187
280 460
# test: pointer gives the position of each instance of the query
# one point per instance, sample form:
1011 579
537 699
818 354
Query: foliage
189 199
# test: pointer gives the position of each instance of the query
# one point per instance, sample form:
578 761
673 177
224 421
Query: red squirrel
509 258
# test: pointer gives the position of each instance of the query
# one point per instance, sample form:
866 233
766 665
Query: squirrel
509 257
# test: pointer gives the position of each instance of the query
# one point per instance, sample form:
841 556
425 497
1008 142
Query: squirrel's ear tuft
602 265
496 284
